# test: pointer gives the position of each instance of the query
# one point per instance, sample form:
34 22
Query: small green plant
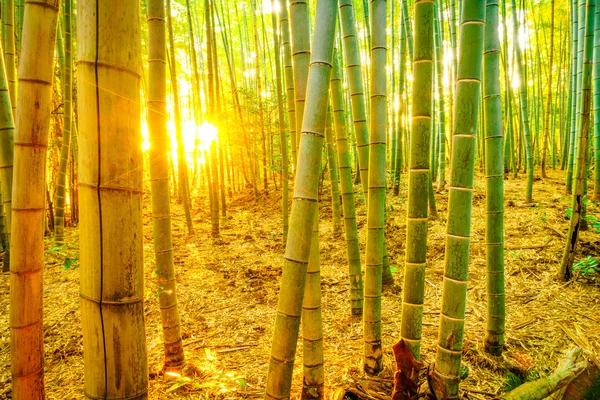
463 373
587 268
512 382
594 224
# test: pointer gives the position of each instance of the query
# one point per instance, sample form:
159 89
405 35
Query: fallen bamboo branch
572 365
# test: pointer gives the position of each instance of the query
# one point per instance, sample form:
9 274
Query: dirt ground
228 295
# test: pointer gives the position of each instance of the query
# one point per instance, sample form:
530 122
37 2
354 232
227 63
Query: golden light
207 133
268 7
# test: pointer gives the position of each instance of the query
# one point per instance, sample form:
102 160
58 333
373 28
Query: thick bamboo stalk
110 187
29 190
445 377
418 178
304 208
313 383
376 204
492 106
159 184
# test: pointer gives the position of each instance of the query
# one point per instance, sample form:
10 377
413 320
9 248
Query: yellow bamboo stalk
27 246
110 188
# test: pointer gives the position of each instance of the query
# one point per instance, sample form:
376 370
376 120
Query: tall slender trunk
59 227
283 143
343 154
418 178
304 208
27 225
159 183
549 99
8 40
492 105
445 377
7 132
578 199
524 109
376 204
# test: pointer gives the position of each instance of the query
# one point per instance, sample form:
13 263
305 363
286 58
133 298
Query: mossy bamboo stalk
492 105
418 178
159 184
59 226
344 163
445 376
578 197
110 184
376 204
29 189
304 207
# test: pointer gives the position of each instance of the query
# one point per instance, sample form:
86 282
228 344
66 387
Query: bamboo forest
302 199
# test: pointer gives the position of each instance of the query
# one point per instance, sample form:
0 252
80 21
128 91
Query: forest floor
228 291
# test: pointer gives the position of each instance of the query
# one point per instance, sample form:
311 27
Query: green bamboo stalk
578 198
333 174
304 207
549 99
439 37
289 78
445 377
355 83
312 323
407 29
492 104
280 108
418 178
59 225
7 133
524 108
300 27
376 204
8 40
401 108
344 163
